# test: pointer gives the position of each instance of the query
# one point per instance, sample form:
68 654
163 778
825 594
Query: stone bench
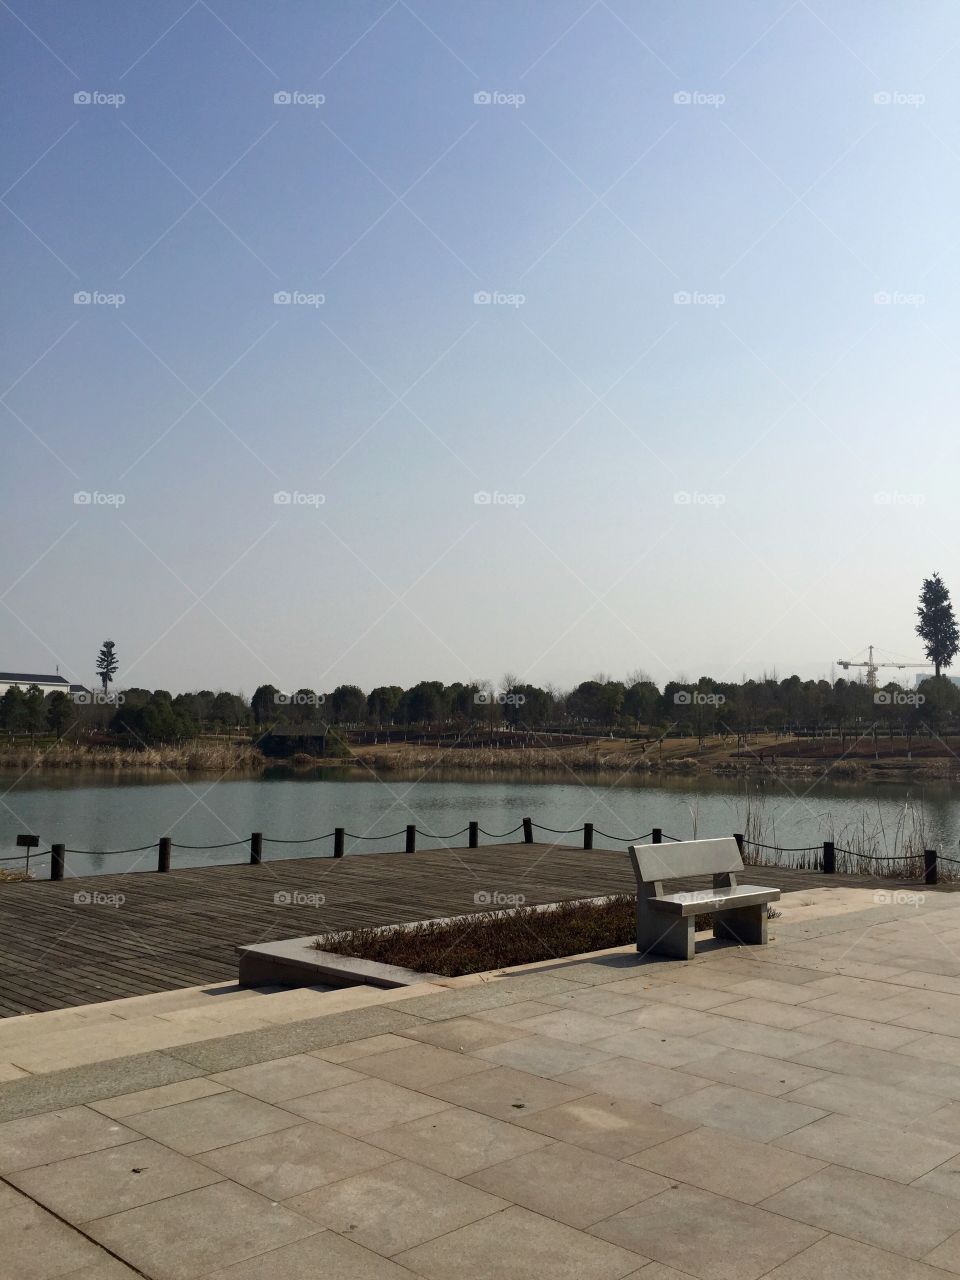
666 921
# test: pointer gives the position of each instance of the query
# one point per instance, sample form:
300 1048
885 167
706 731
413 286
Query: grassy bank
613 758
221 757
678 756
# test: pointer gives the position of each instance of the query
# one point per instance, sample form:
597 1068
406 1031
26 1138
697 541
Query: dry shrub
494 940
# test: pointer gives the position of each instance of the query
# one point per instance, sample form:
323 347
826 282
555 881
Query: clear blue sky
784 196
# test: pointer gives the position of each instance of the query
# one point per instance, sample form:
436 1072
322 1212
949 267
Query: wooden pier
90 938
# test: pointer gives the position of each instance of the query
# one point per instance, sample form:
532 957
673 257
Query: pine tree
937 627
107 663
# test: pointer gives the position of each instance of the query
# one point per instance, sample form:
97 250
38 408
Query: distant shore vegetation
604 706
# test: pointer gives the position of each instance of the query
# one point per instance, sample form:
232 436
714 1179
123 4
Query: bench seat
692 902
666 921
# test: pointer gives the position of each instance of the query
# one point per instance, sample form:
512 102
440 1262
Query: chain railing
825 859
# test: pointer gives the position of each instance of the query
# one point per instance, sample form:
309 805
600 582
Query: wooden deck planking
180 928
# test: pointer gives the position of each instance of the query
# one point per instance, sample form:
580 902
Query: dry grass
869 847
190 757
496 940
526 760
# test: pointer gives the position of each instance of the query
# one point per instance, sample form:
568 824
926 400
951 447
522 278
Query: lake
100 812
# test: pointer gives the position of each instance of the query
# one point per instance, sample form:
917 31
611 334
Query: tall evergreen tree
107 663
937 627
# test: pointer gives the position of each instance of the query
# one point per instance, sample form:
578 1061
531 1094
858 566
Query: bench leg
746 925
663 935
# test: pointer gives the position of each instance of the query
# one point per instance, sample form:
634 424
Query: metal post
411 846
930 874
256 848
473 836
588 835
338 835
829 858
57 852
528 831
163 854
656 836
738 836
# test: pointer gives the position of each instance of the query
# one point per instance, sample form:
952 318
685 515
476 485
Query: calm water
94 812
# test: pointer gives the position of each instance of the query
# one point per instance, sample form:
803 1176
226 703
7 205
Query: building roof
19 677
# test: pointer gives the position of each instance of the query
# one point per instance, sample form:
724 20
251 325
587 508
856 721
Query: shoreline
245 760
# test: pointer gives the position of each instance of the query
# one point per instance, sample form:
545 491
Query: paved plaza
791 1112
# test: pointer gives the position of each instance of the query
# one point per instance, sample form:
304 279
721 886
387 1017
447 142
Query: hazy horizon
587 337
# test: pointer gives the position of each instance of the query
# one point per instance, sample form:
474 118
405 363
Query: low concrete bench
665 921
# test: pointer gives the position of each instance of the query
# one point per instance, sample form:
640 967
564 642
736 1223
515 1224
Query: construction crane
872 667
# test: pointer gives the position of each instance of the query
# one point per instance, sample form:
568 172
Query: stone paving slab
32 1095
111 1180
519 1245
706 1235
294 1160
397 1206
227 1052
903 1220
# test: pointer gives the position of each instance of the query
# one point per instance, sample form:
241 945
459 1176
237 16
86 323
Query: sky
369 341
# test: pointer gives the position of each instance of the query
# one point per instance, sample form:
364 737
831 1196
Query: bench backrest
653 862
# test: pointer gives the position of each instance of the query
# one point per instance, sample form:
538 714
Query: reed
869 846
187 757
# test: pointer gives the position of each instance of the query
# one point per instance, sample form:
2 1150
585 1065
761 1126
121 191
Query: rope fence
782 848
306 840
825 859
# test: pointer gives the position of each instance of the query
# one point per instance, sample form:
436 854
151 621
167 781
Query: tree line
632 705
